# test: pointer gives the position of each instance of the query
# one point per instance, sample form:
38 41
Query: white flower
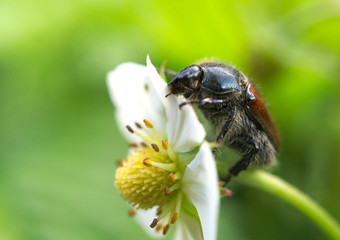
170 175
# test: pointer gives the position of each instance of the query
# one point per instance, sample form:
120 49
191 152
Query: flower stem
292 195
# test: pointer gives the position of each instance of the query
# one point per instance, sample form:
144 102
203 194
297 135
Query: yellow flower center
142 186
150 177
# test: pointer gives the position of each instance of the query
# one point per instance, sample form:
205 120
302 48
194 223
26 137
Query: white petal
183 128
200 184
145 218
160 86
187 228
133 100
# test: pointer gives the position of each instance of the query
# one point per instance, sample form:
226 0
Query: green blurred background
59 142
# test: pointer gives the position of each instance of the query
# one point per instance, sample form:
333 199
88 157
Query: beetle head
187 81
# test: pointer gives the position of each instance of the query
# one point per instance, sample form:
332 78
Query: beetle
234 106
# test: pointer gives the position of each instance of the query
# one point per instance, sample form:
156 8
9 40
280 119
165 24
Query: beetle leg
167 72
170 73
243 163
202 101
224 130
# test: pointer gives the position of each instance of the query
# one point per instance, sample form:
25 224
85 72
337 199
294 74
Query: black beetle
231 102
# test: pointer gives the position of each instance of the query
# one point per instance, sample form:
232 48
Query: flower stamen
171 153
171 167
145 138
155 147
165 144
147 162
167 191
159 227
154 223
175 187
132 212
159 211
179 202
174 218
178 175
129 128
147 123
166 229
153 132
172 177
138 125
133 145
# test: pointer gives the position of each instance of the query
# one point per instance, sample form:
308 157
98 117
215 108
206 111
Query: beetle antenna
168 94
